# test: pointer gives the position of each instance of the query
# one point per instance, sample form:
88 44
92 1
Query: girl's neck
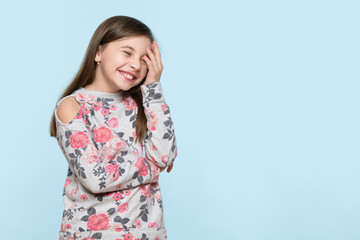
101 92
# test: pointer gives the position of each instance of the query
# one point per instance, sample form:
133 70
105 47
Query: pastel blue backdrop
265 102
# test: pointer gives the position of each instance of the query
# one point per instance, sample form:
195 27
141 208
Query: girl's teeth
127 75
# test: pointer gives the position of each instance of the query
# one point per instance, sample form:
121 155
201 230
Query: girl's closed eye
130 54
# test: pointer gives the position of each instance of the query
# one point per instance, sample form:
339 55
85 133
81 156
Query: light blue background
265 102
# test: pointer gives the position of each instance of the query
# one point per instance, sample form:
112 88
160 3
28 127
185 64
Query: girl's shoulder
68 107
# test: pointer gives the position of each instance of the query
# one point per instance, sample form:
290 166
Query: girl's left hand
153 63
169 168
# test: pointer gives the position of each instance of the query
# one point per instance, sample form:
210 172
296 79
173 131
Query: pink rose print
165 158
113 170
67 227
120 143
128 236
157 195
86 110
119 186
73 191
153 121
129 103
104 112
117 196
164 107
102 134
86 97
123 207
112 107
152 127
134 134
136 151
79 140
154 147
84 197
78 114
152 225
67 182
152 114
113 122
96 105
98 222
142 168
138 223
145 192
106 154
112 167
91 154
127 192
114 176
157 238
114 145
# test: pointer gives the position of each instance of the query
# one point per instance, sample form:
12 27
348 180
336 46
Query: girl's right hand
153 63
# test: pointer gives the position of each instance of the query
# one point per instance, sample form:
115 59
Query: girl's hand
169 168
153 63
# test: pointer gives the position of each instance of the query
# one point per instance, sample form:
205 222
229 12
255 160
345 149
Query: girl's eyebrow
128 47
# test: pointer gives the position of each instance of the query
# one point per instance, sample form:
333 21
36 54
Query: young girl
116 133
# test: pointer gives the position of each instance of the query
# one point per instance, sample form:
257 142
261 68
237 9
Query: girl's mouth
127 76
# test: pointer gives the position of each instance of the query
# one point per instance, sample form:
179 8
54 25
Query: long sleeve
100 159
160 141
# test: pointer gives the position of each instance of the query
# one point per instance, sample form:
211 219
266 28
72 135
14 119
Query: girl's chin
131 85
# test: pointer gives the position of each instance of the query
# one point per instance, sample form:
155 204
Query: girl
116 133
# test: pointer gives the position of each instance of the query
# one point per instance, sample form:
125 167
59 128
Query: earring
98 62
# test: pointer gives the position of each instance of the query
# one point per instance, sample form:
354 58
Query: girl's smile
127 75
124 57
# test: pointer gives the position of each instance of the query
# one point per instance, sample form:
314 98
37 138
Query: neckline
116 95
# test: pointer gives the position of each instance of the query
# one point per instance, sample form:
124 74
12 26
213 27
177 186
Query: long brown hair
113 28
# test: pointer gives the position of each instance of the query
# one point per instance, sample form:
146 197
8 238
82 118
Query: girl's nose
135 63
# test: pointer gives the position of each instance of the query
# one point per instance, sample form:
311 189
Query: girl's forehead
136 44
135 40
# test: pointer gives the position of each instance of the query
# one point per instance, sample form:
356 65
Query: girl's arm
100 159
160 141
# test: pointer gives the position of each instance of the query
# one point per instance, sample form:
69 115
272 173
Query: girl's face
122 64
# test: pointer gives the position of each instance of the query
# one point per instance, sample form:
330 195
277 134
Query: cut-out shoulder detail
67 109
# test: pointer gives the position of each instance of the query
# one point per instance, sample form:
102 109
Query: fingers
170 167
154 59
149 61
157 54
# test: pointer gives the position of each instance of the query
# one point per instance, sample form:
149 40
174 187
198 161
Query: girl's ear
98 54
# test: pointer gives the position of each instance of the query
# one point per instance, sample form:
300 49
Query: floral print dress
111 191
